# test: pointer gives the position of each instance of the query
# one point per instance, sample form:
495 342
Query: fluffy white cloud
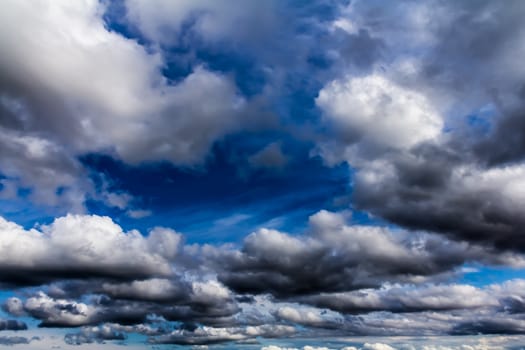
376 111
76 243
60 311
93 90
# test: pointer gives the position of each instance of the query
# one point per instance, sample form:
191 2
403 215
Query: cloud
131 100
164 21
81 98
206 302
376 112
433 130
270 156
223 293
83 247
462 202
335 256
489 326
206 335
12 325
405 299
15 340
90 335
423 100
377 346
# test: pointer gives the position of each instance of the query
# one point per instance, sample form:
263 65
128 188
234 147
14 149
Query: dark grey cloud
51 312
270 156
506 142
460 201
391 310
12 325
450 159
489 326
514 304
339 257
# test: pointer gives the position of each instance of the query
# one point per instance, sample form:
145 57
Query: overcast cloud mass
269 175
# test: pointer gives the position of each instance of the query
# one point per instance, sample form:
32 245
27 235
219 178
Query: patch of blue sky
6 294
26 213
199 203
249 77
481 122
115 19
479 276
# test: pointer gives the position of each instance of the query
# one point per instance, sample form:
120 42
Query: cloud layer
365 281
421 103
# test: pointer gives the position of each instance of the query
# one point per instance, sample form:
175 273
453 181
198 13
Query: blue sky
268 175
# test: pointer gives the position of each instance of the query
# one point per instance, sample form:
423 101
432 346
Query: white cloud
377 346
93 243
376 111
93 90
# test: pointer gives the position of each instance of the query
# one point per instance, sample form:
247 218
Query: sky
266 175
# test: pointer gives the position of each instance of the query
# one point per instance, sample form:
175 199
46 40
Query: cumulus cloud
98 87
423 100
83 246
375 112
147 272
125 279
434 132
80 97
335 256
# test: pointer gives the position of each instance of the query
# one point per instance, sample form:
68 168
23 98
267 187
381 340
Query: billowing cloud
434 132
335 256
79 97
83 246
331 279
376 112
423 101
